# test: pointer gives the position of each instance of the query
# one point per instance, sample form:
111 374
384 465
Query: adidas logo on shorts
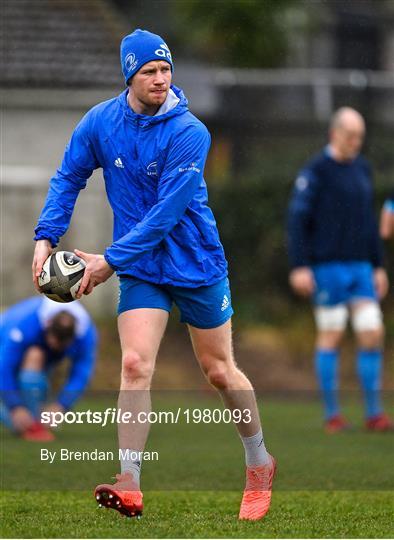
225 303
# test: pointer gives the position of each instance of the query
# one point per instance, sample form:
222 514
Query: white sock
255 451
130 461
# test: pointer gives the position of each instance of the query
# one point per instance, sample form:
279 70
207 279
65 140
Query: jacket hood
143 119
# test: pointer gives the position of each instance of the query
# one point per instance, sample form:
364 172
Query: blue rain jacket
164 232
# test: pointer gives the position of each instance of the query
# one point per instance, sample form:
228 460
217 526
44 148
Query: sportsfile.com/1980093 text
113 415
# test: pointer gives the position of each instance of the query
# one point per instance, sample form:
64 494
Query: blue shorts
202 307
343 283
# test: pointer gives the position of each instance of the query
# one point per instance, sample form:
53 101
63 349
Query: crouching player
35 335
387 218
336 257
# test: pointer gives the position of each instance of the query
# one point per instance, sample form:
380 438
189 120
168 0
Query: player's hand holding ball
97 271
64 276
61 276
41 253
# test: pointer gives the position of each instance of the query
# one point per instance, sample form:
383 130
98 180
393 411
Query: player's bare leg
329 339
213 349
140 331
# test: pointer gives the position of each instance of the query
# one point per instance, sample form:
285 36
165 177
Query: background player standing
166 249
336 256
35 335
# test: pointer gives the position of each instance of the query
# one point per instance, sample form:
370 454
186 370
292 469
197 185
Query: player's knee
329 340
218 373
34 359
218 377
371 340
134 366
368 318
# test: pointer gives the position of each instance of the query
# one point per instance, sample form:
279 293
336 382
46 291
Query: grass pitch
200 515
327 486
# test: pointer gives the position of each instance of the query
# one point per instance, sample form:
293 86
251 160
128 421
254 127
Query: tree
239 33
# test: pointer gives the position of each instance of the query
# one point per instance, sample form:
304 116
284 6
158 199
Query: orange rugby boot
123 496
256 499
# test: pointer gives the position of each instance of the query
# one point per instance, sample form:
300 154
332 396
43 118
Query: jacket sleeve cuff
109 260
41 235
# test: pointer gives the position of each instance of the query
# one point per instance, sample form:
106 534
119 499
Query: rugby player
35 335
166 249
336 258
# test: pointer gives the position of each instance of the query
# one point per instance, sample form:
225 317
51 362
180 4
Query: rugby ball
61 276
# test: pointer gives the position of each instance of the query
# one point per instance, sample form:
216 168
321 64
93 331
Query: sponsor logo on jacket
151 169
191 167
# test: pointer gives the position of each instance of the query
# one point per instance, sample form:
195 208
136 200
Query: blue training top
23 325
164 231
331 215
